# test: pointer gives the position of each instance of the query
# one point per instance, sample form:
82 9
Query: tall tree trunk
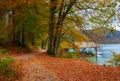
53 5
10 29
55 26
6 24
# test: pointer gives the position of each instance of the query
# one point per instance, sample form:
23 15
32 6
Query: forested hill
105 36
114 35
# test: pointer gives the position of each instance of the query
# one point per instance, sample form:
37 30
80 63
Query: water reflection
104 54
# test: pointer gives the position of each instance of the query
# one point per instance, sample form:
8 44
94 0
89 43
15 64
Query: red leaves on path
79 70
66 69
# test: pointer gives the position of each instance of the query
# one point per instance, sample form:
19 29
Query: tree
93 13
56 23
101 19
24 26
68 19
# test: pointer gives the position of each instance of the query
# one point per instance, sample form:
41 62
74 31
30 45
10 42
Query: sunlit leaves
42 8
98 13
118 0
112 30
64 45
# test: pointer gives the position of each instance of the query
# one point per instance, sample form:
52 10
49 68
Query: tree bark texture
55 25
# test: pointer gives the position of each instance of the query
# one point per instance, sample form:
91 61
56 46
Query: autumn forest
35 37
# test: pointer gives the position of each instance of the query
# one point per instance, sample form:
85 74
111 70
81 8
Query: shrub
70 55
8 71
3 39
116 58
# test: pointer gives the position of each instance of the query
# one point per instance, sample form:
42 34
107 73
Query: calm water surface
105 54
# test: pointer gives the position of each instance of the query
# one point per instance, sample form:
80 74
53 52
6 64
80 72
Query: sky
116 23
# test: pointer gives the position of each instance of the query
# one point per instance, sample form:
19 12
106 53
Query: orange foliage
79 70
65 69
15 2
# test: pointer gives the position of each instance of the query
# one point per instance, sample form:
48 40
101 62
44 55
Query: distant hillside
113 37
104 36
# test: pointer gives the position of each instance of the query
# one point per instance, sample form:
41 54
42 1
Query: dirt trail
33 71
38 66
31 55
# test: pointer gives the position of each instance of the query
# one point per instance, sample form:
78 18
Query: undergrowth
70 55
8 68
116 58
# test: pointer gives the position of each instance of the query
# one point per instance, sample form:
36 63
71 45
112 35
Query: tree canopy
54 22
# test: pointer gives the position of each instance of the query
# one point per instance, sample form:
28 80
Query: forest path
32 70
27 56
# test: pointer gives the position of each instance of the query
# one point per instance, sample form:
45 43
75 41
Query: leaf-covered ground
41 67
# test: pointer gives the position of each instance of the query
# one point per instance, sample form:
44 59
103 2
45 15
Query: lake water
105 54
